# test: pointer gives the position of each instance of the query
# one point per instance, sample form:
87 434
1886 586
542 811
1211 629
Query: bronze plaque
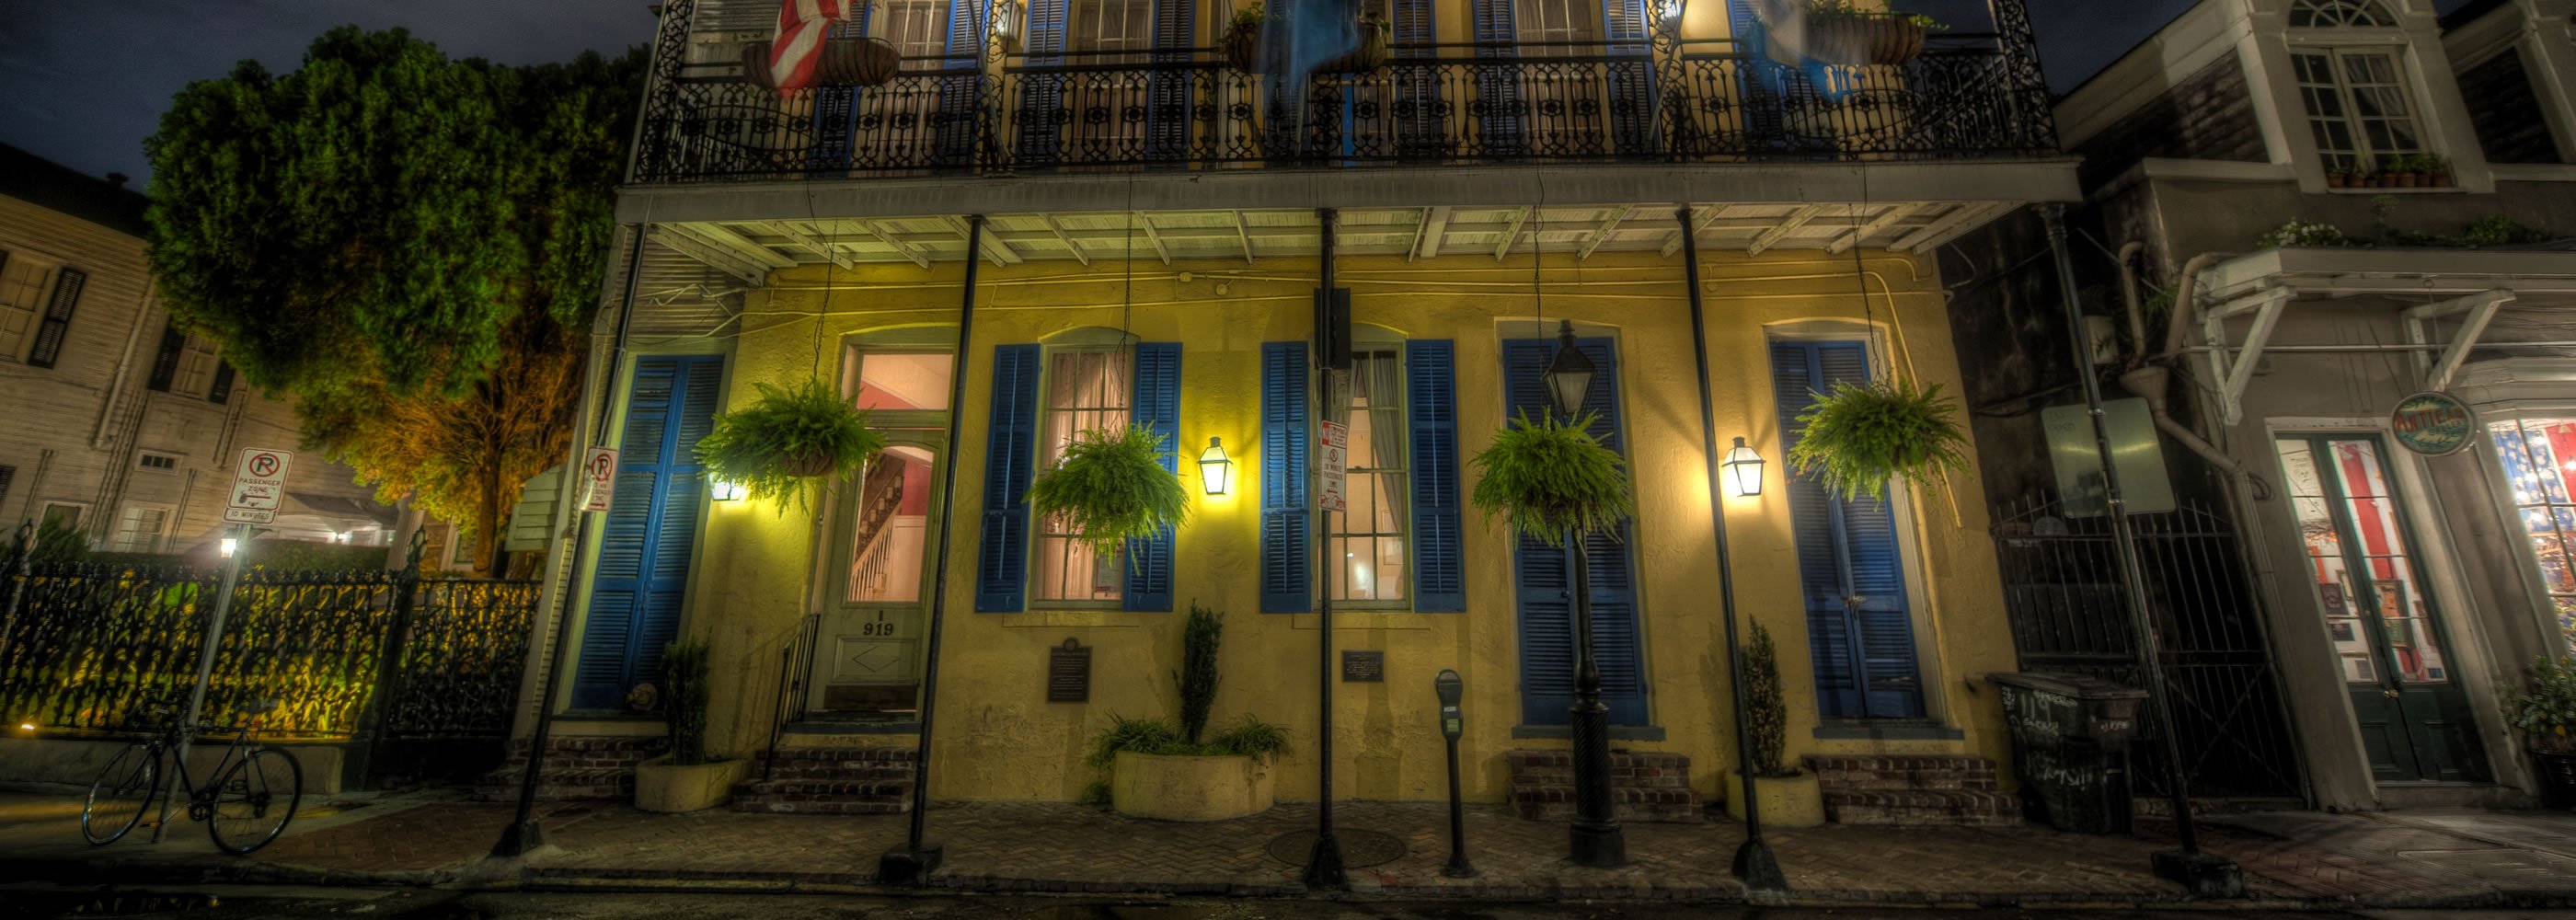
1069 673
1360 667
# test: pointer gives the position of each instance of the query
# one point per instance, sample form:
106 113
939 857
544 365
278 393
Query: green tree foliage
410 244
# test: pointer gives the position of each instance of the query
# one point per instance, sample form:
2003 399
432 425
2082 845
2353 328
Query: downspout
2127 257
124 369
2152 382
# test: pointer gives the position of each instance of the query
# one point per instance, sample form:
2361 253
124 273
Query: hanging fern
1856 439
1550 478
1111 487
776 447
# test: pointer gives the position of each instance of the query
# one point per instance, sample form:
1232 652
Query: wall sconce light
725 490
228 546
1743 470
1216 470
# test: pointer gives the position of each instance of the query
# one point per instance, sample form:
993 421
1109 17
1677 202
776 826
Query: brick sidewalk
1054 847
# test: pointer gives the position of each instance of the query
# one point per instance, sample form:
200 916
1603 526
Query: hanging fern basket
790 438
1111 487
1858 437
1550 479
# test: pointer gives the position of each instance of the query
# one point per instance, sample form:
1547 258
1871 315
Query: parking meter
1452 725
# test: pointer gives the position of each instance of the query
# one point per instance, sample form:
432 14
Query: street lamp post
1596 837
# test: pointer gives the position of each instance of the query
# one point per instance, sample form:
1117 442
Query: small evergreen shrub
684 700
1766 712
1197 677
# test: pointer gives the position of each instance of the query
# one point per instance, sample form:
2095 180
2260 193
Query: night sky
83 86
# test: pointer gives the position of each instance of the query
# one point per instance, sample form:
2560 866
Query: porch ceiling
749 249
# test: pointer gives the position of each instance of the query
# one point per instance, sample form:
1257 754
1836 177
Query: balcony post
652 141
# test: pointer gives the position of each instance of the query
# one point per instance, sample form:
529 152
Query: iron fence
2063 596
93 645
1970 95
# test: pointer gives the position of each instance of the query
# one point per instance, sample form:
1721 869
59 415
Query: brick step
1900 772
883 797
1555 802
786 755
851 772
1968 808
569 785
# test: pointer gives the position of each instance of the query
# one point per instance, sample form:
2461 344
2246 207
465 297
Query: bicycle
247 805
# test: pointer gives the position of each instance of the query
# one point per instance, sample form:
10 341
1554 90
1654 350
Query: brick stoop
828 781
1913 789
1643 787
577 769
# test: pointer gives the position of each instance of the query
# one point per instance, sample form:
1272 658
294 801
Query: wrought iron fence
2063 597
92 645
1972 95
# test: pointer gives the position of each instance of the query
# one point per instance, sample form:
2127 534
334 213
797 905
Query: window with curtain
1086 389
2356 101
1368 544
22 299
2539 457
139 529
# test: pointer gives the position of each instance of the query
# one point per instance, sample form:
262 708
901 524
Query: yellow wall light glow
725 490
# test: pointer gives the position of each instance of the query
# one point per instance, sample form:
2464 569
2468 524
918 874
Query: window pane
1369 537
904 381
1086 390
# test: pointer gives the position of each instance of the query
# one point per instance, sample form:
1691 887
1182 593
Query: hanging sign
1335 452
2434 424
259 481
598 477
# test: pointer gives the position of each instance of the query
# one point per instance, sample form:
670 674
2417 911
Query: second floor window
196 372
1557 22
918 28
22 299
1113 25
2357 106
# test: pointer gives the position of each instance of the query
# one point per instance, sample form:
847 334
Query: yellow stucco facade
996 737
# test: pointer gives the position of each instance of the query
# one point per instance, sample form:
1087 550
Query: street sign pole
205 669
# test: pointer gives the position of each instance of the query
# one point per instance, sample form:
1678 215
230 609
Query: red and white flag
802 26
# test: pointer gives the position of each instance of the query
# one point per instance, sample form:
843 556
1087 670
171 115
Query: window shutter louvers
165 366
648 539
220 391
955 125
1497 85
1168 91
1287 540
1157 405
1632 79
1864 657
1543 575
1042 94
1010 462
57 323
1439 567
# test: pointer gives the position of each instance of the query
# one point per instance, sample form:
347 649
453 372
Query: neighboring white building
115 422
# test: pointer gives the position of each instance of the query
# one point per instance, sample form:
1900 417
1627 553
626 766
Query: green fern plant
1551 478
1197 678
2547 710
1766 712
781 444
1111 487
1855 439
1251 737
684 700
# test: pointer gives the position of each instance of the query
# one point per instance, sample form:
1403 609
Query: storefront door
885 520
2379 613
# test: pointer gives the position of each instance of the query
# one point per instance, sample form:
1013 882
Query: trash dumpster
2071 737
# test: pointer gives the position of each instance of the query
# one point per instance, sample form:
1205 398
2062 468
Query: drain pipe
2186 297
2127 258
2152 382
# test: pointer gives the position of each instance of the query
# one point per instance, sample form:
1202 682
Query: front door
2379 615
886 518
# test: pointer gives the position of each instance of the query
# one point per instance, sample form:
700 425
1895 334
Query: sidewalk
1396 850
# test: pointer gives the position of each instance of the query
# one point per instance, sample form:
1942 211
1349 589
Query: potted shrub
1842 32
1242 42
1158 771
2436 169
1790 797
1858 437
1111 487
1552 479
2337 178
686 778
780 444
2546 713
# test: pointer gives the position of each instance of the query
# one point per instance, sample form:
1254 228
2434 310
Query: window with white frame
917 28
2306 14
1556 22
1086 388
2358 108
2539 457
196 372
1112 25
139 529
157 461
1368 545
22 300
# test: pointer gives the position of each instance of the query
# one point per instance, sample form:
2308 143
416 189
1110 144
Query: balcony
1671 101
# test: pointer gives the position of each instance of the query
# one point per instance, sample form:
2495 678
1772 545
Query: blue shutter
1761 79
1863 651
1157 408
1010 461
1041 104
1419 129
1632 75
1498 85
1167 93
1543 576
642 577
1287 543
1431 410
956 125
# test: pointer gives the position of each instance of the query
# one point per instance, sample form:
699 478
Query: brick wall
2207 116
2506 112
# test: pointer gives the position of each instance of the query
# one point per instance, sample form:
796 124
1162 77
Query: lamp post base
908 865
1324 870
1758 869
2206 875
518 839
1458 867
1600 846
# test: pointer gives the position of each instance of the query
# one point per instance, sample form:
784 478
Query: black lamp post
1596 837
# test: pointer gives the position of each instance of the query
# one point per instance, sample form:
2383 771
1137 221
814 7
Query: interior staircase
1913 789
821 778
1644 787
578 768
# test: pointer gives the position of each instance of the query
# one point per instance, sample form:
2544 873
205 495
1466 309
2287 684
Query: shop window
2539 457
2357 106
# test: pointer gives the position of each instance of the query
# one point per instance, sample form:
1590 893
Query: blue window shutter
1497 85
1287 542
1010 461
1157 408
1041 95
1167 93
57 324
1864 651
1543 576
1632 76
955 124
646 548
1431 409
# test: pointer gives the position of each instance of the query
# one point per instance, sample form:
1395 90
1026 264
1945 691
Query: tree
410 244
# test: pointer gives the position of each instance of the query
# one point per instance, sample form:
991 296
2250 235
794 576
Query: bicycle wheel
254 799
122 793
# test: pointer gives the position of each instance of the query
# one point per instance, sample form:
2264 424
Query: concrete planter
663 786
1189 788
1787 801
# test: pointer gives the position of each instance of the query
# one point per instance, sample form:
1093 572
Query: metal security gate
2062 591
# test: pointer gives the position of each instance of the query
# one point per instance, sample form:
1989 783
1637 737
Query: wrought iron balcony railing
1968 96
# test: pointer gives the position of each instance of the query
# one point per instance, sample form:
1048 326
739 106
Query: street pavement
2293 860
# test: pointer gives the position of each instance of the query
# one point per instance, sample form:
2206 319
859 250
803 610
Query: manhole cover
1360 849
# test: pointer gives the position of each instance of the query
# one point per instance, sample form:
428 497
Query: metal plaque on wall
1069 673
1363 667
